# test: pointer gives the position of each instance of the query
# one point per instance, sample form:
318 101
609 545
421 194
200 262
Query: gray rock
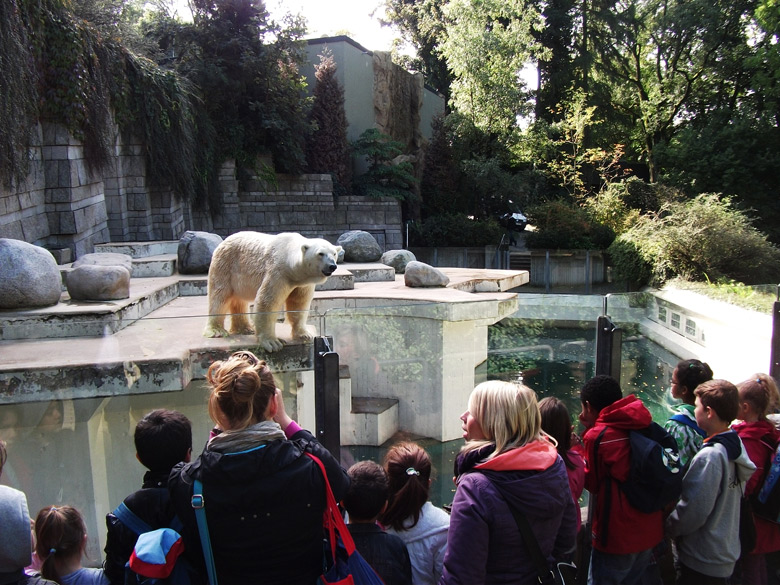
359 246
419 275
29 276
195 251
96 282
106 259
398 259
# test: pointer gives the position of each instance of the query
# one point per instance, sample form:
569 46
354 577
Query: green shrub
705 238
560 225
383 178
455 230
627 262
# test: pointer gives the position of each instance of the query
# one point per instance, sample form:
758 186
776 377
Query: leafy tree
422 25
247 68
705 238
562 225
440 175
487 44
665 60
327 151
455 229
384 177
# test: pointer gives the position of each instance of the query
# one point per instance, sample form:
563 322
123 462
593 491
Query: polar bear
276 272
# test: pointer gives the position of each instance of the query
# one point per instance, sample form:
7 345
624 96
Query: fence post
547 271
587 272
326 395
609 340
774 357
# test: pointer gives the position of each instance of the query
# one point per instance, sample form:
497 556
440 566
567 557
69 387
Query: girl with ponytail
60 542
409 515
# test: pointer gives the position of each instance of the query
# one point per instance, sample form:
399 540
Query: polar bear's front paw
303 334
215 331
270 344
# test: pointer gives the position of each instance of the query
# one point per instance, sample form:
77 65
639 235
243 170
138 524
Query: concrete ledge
373 420
140 249
155 266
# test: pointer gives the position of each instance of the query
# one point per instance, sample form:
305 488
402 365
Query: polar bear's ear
305 247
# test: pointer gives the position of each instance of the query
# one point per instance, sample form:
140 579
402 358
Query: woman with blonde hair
508 463
263 497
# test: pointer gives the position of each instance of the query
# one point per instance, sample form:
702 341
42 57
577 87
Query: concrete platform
152 341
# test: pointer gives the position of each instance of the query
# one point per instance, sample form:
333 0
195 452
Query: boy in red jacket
623 538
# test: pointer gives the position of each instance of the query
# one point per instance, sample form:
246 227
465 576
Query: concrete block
374 421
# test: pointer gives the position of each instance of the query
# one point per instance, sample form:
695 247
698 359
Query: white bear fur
277 272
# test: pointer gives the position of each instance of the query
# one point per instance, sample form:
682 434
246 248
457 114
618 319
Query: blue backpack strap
127 517
681 418
198 504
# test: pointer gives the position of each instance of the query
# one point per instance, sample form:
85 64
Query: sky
357 18
352 17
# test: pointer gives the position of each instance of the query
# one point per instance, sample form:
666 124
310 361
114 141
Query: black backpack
655 477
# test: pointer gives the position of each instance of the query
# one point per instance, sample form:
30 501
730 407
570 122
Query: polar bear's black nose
330 269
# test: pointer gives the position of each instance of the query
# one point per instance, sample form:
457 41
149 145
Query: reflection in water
81 452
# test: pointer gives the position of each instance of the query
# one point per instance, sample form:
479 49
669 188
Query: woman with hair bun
409 515
682 424
60 541
507 463
264 498
758 396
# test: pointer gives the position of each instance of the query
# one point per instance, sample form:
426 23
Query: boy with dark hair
364 501
162 438
705 521
623 538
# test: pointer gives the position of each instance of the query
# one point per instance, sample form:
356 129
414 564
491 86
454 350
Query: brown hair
59 532
409 469
556 422
721 396
241 388
760 391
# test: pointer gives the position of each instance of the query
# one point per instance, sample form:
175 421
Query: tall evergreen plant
327 150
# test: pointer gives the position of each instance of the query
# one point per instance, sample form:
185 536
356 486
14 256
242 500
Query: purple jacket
484 544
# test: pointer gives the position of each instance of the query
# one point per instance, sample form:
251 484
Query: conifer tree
327 150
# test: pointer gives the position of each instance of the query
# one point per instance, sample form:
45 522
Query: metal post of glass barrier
326 395
609 340
774 358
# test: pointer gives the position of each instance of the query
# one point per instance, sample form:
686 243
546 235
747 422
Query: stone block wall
304 204
23 205
67 208
75 201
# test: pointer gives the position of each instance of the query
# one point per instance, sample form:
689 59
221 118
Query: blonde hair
241 388
508 414
760 391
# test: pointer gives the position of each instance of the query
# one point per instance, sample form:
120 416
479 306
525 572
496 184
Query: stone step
370 272
140 249
373 421
155 266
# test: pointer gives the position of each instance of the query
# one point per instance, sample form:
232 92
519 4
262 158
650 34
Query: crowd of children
522 466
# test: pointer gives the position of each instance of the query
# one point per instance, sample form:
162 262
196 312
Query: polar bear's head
320 255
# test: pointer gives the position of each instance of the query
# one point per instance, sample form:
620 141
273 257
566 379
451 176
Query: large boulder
419 275
359 246
105 259
29 276
398 259
96 282
195 252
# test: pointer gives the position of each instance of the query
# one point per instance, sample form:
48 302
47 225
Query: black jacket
386 553
264 510
152 504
